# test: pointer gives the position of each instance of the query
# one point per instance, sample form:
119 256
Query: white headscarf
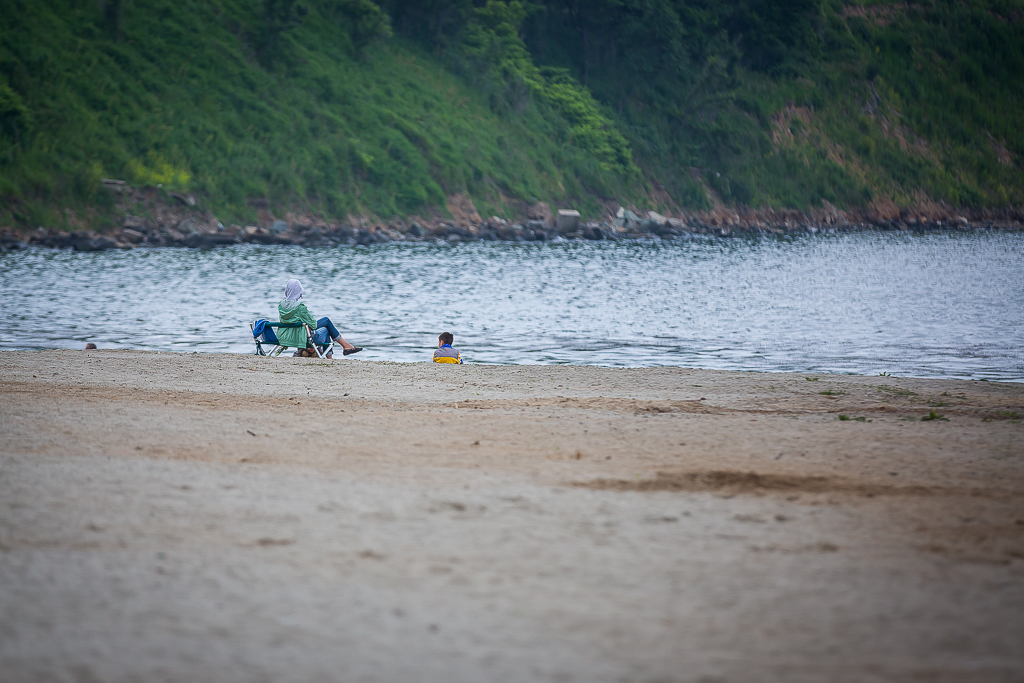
292 290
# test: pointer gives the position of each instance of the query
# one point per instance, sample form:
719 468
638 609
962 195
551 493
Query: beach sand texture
214 517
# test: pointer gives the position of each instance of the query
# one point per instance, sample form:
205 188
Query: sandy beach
213 517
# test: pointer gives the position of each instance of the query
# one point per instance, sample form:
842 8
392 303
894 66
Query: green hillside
350 107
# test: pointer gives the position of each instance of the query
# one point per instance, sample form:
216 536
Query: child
445 353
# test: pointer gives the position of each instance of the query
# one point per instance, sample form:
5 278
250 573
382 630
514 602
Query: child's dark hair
446 338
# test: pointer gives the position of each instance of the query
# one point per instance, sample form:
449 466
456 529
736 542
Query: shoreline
469 362
169 514
148 217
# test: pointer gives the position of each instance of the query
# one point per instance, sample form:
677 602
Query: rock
648 225
277 227
540 212
567 220
55 240
657 218
417 230
661 229
344 233
261 236
134 222
624 218
187 201
209 240
510 233
133 236
173 236
83 241
9 241
90 346
187 226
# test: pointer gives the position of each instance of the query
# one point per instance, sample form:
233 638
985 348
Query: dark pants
325 331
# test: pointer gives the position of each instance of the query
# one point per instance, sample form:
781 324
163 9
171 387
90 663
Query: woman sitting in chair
291 310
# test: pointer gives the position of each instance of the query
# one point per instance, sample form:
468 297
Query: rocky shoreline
180 222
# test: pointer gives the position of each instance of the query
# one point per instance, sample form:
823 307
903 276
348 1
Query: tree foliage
390 105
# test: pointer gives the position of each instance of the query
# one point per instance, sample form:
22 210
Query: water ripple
938 305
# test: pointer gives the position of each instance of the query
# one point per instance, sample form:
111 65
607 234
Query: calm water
938 305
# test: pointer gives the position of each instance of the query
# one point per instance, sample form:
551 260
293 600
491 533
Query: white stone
657 218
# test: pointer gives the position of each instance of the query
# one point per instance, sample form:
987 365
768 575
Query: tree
279 16
365 20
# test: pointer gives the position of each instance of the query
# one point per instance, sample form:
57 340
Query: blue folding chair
263 333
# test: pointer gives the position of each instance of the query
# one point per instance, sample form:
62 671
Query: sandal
354 349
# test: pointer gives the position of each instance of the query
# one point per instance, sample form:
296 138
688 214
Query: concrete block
567 220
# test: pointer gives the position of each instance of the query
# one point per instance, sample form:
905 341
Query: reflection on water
939 305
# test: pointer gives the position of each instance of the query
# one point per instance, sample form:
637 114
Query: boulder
187 201
133 236
656 217
86 241
540 212
134 222
55 240
510 233
172 236
624 218
277 227
187 226
209 240
11 241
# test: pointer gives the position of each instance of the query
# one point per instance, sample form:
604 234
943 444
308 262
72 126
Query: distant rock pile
181 223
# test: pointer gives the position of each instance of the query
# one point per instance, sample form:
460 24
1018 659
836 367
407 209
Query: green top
293 312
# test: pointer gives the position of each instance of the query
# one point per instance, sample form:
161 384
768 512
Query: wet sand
194 517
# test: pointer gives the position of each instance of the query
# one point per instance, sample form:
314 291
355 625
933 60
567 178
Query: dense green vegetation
351 106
